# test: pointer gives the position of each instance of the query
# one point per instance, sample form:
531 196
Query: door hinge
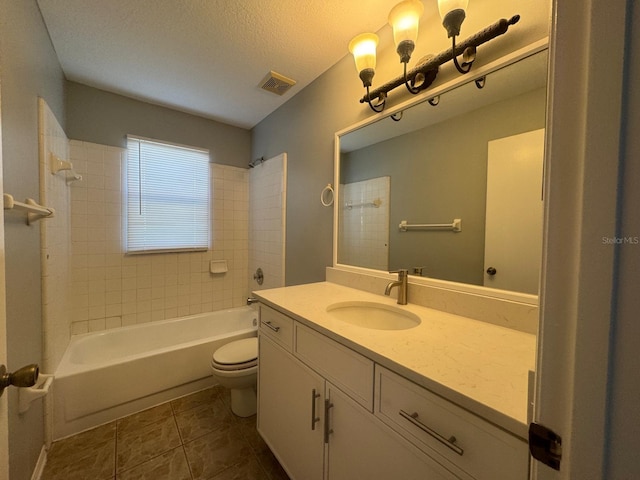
545 445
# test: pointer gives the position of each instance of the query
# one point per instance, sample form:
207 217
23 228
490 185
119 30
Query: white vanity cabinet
317 413
453 436
361 447
290 399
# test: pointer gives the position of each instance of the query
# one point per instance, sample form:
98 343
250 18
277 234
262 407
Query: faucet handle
402 272
418 270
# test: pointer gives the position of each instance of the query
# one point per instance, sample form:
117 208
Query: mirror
476 156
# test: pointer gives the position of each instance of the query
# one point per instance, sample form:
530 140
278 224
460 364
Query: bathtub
106 375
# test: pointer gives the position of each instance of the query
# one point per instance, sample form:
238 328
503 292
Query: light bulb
404 18
363 48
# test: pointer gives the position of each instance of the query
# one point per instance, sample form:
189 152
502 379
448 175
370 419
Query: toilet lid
234 367
237 352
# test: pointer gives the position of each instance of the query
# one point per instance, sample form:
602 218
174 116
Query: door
4 430
290 416
513 235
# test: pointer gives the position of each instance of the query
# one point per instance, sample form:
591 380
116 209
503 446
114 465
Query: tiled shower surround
364 223
55 238
267 204
111 289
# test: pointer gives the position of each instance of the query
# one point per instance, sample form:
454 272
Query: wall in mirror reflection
436 174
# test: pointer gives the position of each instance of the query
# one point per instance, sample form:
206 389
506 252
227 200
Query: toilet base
244 402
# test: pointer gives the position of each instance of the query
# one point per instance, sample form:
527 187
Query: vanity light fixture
453 13
363 48
404 19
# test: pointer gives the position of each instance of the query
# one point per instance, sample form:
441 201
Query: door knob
491 271
25 377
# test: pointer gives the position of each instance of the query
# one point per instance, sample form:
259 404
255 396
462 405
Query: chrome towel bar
455 226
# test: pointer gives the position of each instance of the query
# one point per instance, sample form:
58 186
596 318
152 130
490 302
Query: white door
4 435
513 235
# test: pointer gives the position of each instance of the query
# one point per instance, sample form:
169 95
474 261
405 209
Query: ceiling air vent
275 83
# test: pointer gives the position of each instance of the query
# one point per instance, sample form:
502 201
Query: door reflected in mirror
476 156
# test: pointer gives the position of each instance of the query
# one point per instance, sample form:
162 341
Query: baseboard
42 461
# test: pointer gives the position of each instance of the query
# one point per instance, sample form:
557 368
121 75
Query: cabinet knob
491 271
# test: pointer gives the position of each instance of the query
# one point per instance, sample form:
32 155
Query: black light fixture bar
429 68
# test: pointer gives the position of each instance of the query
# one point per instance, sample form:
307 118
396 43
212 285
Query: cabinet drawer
350 371
448 432
277 326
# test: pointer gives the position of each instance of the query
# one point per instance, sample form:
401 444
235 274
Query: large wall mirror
451 191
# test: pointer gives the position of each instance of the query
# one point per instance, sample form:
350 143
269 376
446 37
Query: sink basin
377 316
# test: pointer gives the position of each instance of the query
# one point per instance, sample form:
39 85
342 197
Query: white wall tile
125 290
364 221
267 216
56 241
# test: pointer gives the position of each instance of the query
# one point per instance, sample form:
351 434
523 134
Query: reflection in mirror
476 156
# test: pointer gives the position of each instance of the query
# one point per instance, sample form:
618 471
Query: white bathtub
106 375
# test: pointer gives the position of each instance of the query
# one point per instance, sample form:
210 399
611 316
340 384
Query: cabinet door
362 447
290 399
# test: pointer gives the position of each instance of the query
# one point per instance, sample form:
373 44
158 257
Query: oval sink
377 316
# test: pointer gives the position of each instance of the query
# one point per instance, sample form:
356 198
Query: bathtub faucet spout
251 300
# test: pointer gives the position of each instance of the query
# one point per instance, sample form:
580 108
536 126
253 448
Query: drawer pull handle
272 327
327 431
447 442
314 419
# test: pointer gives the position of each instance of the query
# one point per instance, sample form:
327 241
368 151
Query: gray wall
439 173
97 116
624 389
304 127
29 69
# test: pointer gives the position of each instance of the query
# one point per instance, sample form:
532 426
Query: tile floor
191 438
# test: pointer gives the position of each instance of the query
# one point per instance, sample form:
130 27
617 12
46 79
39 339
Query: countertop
479 366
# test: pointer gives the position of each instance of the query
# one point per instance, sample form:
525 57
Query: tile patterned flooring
191 438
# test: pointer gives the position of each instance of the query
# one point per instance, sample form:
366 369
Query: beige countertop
479 366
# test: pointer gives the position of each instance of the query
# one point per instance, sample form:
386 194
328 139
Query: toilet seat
236 355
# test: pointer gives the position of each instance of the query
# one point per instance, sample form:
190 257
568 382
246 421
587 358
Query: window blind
167 197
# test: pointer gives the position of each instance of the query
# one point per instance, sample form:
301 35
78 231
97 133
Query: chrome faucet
252 300
401 283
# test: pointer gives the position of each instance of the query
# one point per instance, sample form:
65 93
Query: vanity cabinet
328 412
453 436
290 399
361 447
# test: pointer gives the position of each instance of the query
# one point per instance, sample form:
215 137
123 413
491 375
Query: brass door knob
27 376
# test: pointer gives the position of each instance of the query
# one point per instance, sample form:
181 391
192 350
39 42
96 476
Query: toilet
235 366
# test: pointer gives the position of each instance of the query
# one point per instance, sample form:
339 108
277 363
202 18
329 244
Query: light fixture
405 19
453 13
363 48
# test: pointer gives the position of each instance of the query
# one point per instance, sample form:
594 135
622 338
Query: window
167 197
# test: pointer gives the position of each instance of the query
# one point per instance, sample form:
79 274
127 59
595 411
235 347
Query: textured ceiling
205 57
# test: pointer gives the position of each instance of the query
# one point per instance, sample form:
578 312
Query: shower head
256 162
